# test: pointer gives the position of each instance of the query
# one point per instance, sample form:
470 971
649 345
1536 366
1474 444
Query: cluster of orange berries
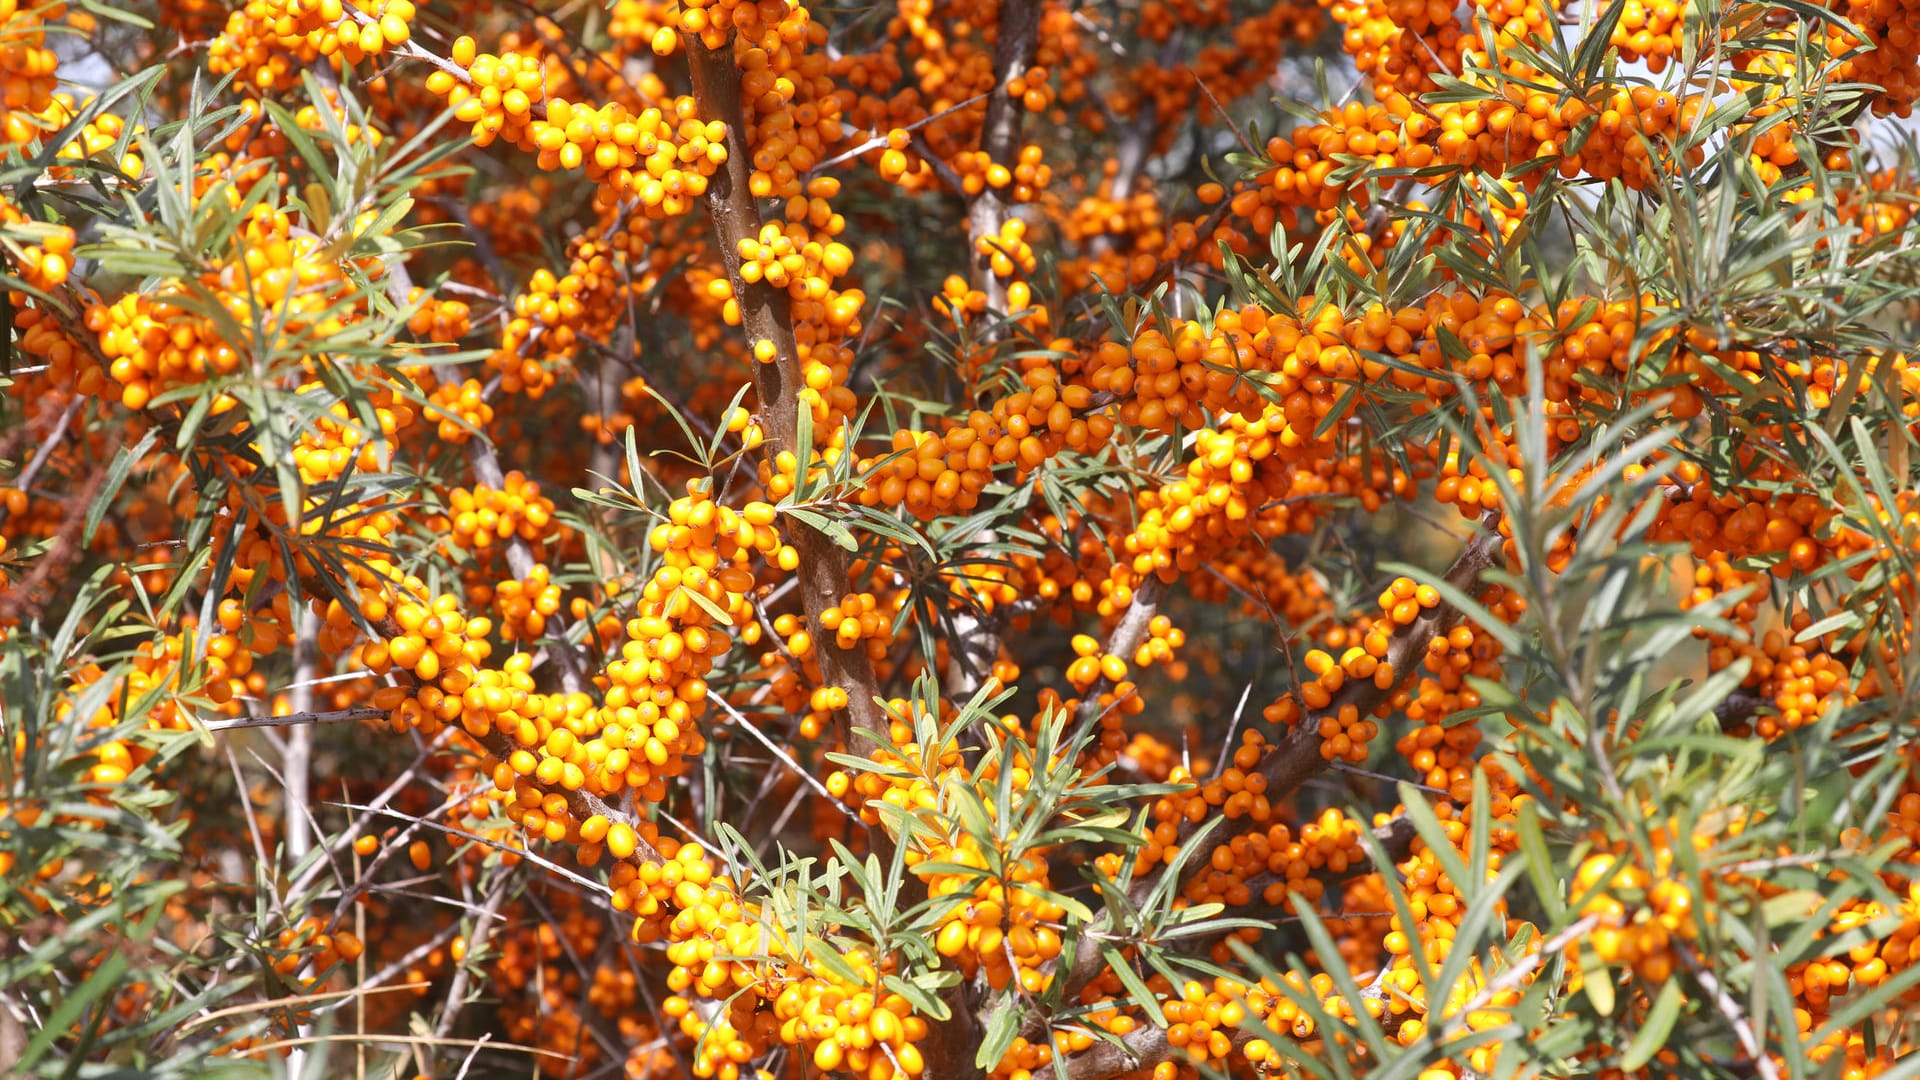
307 945
638 24
1881 54
1002 930
1278 861
433 636
1638 913
661 156
1633 126
157 667
154 345
525 606
785 257
863 617
941 473
443 320
28 69
544 749
483 516
1023 182
458 409
1881 210
70 364
1007 252
1090 665
549 318
336 442
999 924
893 164
1651 31
1438 904
1629 131
95 138
1238 793
41 253
1233 489
268 42
766 994
1202 1024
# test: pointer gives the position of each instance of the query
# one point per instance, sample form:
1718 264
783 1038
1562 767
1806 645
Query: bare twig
296 719
785 758
296 762
879 141
1737 1017
483 926
47 446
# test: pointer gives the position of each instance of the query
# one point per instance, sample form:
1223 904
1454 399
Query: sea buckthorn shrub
997 539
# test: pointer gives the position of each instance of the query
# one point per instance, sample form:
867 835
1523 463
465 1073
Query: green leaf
1790 907
1596 980
1136 986
827 527
712 609
999 1036
102 983
923 992
1655 1028
1533 847
116 478
833 961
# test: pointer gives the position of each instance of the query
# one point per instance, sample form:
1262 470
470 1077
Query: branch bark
296 763
1296 758
296 719
767 316
1012 54
486 470
1125 640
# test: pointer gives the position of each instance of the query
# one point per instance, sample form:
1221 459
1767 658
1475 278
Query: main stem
999 132
767 316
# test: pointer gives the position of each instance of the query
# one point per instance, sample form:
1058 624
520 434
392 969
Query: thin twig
483 926
295 719
1729 1008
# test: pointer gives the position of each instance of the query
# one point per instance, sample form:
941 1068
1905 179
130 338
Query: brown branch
482 929
1019 26
332 716
938 164
766 316
1126 638
1296 758
486 470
